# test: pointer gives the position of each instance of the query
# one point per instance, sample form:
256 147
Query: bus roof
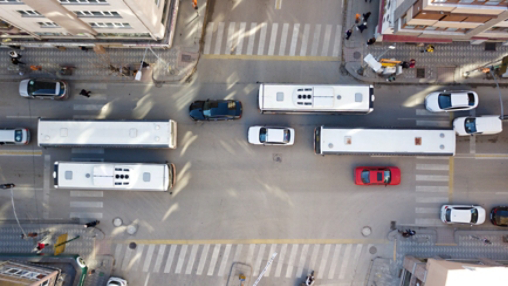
387 141
312 97
112 176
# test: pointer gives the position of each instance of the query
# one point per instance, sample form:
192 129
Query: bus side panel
260 97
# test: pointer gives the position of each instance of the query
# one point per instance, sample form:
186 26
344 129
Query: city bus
392 142
114 176
107 133
315 99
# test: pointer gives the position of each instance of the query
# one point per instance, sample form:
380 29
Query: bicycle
483 239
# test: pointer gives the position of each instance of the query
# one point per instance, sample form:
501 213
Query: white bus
107 133
360 141
316 99
114 176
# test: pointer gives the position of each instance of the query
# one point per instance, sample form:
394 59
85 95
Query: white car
473 215
116 281
481 125
261 135
451 100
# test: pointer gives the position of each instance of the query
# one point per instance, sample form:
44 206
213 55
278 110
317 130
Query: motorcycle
309 281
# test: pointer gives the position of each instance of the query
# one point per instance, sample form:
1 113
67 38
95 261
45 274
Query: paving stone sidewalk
447 64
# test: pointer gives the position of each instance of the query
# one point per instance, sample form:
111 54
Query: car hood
458 126
23 87
395 173
253 134
431 102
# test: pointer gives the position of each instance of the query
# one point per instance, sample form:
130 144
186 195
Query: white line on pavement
315 42
137 258
250 254
147 279
294 39
426 210
240 37
22 116
303 258
291 261
252 36
273 39
88 107
272 250
283 39
181 258
335 260
432 157
127 258
158 260
281 260
425 200
432 178
85 215
87 194
262 38
208 41
257 264
171 255
314 256
218 43
238 252
213 261
202 260
326 40
428 221
338 40
80 204
148 257
230 38
425 112
118 253
224 262
324 259
433 123
305 39
432 189
192 258
433 167
345 260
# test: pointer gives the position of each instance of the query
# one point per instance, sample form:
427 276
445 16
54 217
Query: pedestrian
371 41
391 78
348 34
366 16
145 64
357 18
36 68
362 27
428 49
404 65
85 92
14 55
412 63
195 4
92 224
30 234
41 246
84 49
15 61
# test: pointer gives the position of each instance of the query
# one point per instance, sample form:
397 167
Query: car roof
223 107
459 99
461 215
275 135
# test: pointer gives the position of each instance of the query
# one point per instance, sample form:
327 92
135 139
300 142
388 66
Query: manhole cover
372 250
420 73
186 58
117 222
132 229
357 55
132 245
490 46
277 158
366 231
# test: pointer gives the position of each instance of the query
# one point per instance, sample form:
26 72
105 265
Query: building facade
443 21
17 273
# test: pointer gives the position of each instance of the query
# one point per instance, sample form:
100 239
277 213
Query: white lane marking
250 254
213 261
262 37
147 279
294 40
305 40
192 258
314 256
46 190
303 258
220 33
432 178
148 257
225 258
472 145
425 200
202 260
278 4
240 36
252 37
171 255
433 123
230 38
181 258
87 150
345 260
432 189
426 210
283 39
326 40
238 252
428 221
257 264
208 40
281 260
158 260
80 204
356 257
291 261
324 259
335 259
425 112
315 41
90 86
118 253
88 107
273 39
127 258
87 194
433 167
338 41
137 258
85 215
272 250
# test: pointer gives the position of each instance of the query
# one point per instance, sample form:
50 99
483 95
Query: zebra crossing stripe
345 260
326 40
230 38
337 43
358 252
202 260
148 257
314 256
303 258
213 262
252 36
238 252
432 189
322 265
262 37
171 255
305 39
158 261
291 261
127 258
315 42
281 260
272 250
273 39
181 258
294 40
134 265
192 258
257 264
433 178
218 43
118 254
225 258
335 260
240 37
208 40
283 39
432 167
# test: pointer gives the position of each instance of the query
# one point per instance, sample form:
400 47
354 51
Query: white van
13 136
480 125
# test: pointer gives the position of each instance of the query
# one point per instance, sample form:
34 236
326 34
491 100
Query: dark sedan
499 216
215 110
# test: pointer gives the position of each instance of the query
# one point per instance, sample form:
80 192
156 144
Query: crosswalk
426 118
336 262
273 39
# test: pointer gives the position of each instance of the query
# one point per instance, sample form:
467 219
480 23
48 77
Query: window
48 24
28 13
366 176
470 125
100 14
262 135
109 25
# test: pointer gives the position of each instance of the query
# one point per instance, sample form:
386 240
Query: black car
215 110
499 216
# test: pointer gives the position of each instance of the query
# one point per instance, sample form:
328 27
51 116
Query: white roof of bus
70 132
103 176
387 141
326 97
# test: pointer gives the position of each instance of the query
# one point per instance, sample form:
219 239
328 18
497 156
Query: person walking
412 63
366 16
371 41
362 27
30 234
40 247
348 34
15 55
15 61
357 18
85 92
92 224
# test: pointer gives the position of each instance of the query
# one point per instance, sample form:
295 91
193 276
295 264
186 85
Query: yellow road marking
20 153
255 241
491 156
450 181
271 58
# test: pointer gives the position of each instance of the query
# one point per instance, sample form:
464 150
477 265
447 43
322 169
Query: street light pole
499 91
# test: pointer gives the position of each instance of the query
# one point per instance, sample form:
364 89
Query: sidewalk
446 65
169 65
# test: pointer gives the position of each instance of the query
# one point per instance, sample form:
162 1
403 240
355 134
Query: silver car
43 89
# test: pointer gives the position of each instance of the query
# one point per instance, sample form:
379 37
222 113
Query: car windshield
448 214
18 135
262 135
365 176
444 100
474 215
470 98
470 125
388 177
208 107
287 136
41 88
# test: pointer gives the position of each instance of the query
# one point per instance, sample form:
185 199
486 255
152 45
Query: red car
377 176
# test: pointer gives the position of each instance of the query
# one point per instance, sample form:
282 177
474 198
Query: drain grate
357 55
420 73
277 158
490 46
186 58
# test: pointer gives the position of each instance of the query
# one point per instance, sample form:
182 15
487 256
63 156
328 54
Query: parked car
116 281
43 89
215 110
14 136
480 125
473 215
451 100
260 135
499 216
377 176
